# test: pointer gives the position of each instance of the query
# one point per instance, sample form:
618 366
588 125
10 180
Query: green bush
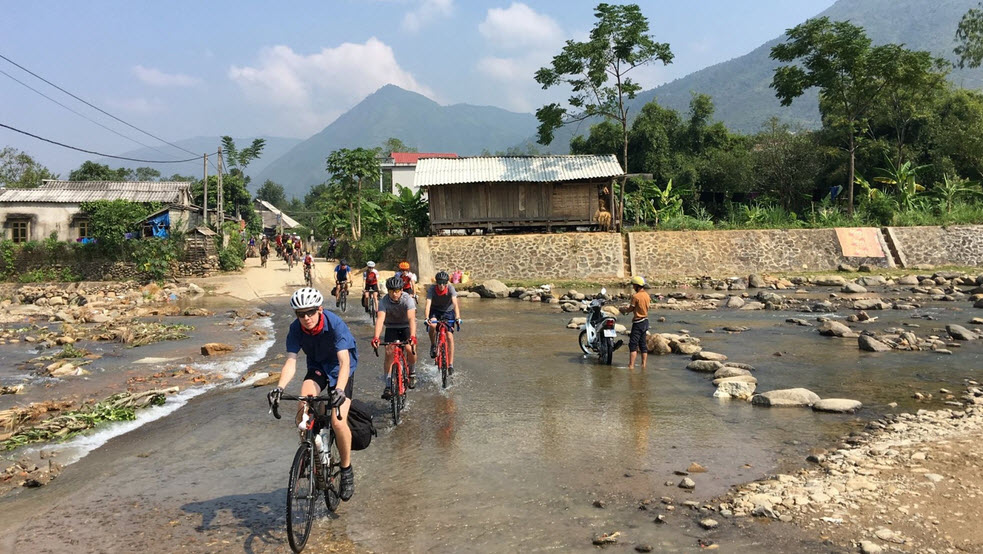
369 248
154 256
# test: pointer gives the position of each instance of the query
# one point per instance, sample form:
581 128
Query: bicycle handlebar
450 322
274 406
394 343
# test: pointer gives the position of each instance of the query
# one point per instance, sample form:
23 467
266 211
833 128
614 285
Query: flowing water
510 458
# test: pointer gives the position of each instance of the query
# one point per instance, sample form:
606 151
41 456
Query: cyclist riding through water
408 278
370 287
341 272
441 304
397 316
332 356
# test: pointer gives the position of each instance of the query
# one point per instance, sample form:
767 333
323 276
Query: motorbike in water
598 334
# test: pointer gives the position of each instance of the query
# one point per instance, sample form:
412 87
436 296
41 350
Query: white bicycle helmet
370 264
305 298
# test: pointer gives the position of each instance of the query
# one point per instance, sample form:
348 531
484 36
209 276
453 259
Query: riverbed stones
734 387
730 371
853 288
830 281
870 304
216 348
832 328
959 332
687 484
705 355
704 366
736 378
786 398
492 288
734 302
837 405
657 344
756 281
871 344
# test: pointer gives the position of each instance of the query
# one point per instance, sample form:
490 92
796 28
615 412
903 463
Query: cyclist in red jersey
370 285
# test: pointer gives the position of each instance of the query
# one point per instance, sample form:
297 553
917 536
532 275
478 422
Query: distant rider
408 277
332 356
397 316
639 306
370 285
442 304
342 272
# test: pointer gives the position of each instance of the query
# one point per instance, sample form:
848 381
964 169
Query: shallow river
510 458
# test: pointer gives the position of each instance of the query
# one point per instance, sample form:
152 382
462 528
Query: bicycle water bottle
321 440
303 422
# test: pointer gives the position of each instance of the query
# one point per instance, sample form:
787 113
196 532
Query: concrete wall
44 220
666 254
511 257
954 245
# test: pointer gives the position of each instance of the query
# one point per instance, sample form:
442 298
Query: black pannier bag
360 423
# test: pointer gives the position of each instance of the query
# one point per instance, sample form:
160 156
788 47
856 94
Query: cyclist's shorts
320 379
394 334
342 281
442 314
372 288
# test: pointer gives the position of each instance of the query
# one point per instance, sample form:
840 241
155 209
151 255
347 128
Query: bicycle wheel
301 494
373 309
606 350
442 358
343 301
332 491
584 345
394 399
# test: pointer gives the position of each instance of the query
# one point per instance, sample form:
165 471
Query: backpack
360 423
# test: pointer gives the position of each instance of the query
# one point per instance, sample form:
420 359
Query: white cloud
427 11
520 27
158 78
307 92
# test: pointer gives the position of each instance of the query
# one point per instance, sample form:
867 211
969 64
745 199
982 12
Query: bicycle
308 277
373 307
343 297
290 261
441 344
310 473
399 375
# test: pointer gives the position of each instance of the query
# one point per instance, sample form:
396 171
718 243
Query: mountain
741 87
275 147
413 118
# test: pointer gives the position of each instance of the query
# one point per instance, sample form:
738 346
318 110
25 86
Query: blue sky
183 69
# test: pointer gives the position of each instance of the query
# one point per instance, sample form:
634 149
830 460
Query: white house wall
44 219
404 177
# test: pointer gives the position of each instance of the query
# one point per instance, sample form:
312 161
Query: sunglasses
307 313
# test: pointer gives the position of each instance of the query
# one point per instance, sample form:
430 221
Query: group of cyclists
332 356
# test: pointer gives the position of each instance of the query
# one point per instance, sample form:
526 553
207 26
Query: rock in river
786 398
959 332
837 405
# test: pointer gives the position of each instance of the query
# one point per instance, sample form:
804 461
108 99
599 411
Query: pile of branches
119 407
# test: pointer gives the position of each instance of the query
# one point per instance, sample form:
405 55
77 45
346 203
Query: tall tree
786 162
146 174
18 170
836 57
272 193
351 170
238 160
618 43
969 35
91 171
393 144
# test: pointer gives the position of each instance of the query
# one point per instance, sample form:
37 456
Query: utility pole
221 217
204 183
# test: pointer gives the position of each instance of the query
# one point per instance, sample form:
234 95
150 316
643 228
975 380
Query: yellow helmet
638 280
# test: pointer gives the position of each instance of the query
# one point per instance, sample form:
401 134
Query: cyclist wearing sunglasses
331 359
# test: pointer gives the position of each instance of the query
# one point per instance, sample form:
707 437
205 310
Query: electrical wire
83 116
98 109
100 153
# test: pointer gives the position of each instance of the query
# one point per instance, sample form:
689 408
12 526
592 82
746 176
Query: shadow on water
258 513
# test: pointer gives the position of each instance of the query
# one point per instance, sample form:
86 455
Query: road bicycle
311 473
400 376
308 276
443 352
373 306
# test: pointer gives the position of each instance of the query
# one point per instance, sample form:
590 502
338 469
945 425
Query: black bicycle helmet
394 283
344 262
442 277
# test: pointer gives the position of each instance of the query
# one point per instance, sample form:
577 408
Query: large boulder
704 366
492 288
734 389
756 281
870 344
657 344
959 332
832 328
783 398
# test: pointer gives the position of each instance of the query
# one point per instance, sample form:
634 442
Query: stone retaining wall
669 254
954 245
512 257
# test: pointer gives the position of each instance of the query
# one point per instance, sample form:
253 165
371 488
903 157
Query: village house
490 193
55 206
274 220
402 167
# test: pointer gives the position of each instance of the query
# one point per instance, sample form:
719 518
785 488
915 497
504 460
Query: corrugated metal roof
72 192
488 169
270 218
414 157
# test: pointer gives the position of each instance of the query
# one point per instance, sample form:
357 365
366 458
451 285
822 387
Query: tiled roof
542 169
414 157
73 192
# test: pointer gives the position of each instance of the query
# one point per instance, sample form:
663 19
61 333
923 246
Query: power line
96 108
100 153
81 114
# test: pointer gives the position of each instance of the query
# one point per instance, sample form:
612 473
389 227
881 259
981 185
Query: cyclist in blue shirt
342 272
331 359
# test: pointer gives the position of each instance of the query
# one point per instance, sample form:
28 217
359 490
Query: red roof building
402 166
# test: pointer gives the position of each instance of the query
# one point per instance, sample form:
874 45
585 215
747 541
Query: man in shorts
332 356
397 317
442 304
639 307
342 272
